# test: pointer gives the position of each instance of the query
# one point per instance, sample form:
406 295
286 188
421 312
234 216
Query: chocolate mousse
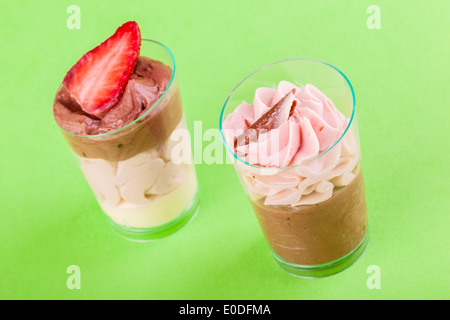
119 112
146 85
299 160
319 233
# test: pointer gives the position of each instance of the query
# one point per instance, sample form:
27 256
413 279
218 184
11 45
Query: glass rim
149 110
270 65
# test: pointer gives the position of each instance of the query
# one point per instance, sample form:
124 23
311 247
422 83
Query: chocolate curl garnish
272 119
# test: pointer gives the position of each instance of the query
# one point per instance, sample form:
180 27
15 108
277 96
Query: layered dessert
118 111
299 162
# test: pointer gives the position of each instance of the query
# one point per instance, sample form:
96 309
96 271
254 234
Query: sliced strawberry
98 79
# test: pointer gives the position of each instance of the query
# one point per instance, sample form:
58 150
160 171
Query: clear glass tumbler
312 209
144 192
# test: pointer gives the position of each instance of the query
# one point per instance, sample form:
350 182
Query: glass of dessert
291 131
120 110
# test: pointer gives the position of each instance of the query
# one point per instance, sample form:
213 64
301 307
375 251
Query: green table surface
50 219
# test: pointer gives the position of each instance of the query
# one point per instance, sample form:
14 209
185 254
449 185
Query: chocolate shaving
272 119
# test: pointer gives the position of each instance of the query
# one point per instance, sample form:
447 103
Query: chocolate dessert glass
312 214
144 191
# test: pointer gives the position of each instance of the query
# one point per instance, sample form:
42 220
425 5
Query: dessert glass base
154 233
326 269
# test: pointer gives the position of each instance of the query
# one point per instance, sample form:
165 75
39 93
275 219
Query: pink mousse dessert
302 172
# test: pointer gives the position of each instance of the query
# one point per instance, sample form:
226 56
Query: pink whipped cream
304 128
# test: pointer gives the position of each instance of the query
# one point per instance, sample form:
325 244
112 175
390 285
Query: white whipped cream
158 210
144 191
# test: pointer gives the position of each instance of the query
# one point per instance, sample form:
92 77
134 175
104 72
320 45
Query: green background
50 219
